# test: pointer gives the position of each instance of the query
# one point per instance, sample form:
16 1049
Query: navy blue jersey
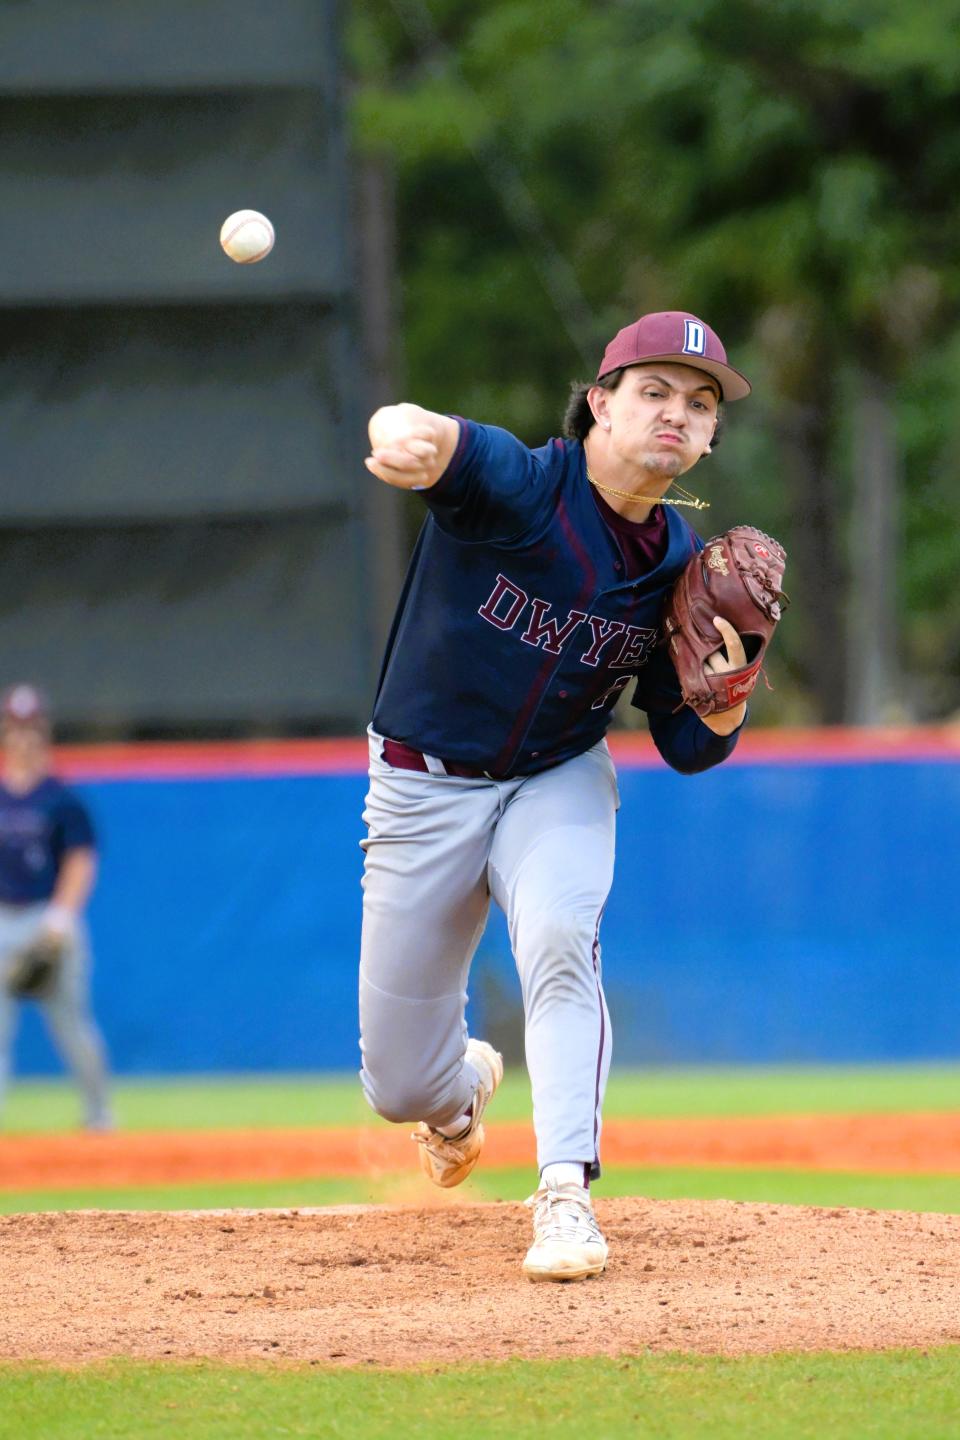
517 628
36 831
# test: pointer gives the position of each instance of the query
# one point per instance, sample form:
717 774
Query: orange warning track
892 1144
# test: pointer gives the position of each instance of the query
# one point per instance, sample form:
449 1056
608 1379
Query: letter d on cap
694 338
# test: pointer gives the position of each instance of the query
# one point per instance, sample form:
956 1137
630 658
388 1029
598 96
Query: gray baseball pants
66 1011
437 848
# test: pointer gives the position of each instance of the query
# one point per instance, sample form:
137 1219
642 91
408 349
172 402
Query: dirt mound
382 1286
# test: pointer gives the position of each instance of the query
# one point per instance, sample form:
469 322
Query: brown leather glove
33 971
737 576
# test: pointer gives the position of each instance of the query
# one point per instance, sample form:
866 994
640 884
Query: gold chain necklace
690 500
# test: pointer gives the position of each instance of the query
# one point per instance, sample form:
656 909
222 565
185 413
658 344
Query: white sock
457 1128
565 1173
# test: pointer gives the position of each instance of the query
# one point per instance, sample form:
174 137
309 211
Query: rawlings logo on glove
737 576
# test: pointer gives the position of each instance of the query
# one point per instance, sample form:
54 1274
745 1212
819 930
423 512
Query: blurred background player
48 864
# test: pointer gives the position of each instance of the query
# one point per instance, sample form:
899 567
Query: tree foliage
790 170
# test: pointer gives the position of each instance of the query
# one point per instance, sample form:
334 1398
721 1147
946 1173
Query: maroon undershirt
643 543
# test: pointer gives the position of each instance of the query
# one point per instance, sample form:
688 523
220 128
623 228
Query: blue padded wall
767 912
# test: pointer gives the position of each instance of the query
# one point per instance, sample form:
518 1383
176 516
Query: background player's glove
33 971
737 576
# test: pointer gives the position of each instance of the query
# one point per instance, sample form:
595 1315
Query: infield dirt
893 1144
404 1286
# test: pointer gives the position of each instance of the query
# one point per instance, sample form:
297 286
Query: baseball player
533 598
47 870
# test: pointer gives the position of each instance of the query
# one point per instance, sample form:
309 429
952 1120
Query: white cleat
449 1161
567 1244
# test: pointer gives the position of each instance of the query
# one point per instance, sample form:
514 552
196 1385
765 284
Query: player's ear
718 425
597 398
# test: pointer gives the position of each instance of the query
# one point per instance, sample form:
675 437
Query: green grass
873 1192
899 1395
198 1103
778 1187
763 1090
201 1103
225 1195
902 1395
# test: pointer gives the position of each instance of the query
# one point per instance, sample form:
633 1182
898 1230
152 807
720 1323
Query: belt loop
434 766
376 744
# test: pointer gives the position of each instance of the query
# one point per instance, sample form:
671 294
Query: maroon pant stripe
603 1036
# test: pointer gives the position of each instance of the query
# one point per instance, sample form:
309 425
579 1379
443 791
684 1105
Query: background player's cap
678 336
24 705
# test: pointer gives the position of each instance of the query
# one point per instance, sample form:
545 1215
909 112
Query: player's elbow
694 760
679 756
687 745
686 764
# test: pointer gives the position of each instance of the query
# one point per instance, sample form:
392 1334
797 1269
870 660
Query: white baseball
247 236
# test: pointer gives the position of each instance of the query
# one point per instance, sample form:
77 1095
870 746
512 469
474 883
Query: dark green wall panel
123 198
79 45
182 543
119 413
251 625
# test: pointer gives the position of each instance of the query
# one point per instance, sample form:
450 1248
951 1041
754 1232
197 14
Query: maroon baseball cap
678 336
24 705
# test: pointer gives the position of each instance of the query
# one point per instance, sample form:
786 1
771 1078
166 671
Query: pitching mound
358 1285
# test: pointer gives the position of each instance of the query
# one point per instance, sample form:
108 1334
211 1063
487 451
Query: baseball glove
33 971
737 576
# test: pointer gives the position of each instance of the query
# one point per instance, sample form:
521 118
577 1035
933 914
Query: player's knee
564 935
399 1108
556 954
401 1100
